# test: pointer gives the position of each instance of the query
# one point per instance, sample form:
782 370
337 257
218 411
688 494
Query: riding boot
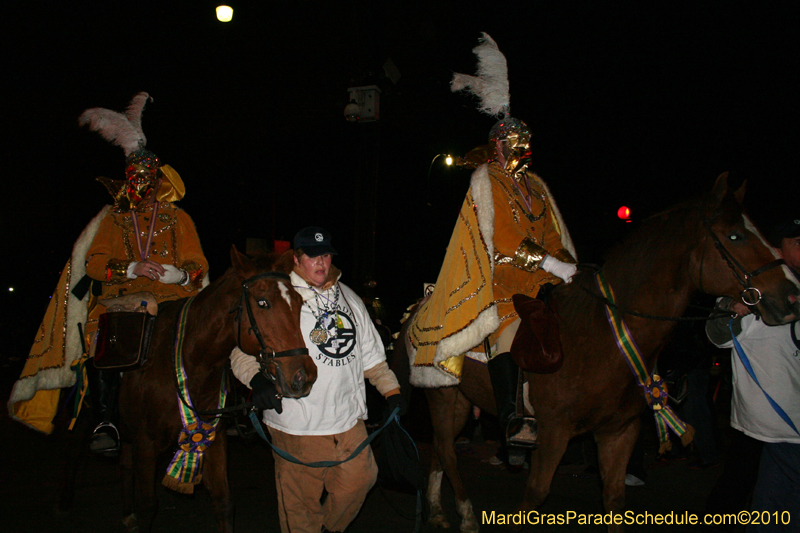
104 390
521 433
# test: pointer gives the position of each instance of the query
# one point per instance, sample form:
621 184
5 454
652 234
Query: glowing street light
224 13
448 159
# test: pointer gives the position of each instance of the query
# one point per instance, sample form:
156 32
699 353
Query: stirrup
523 432
104 441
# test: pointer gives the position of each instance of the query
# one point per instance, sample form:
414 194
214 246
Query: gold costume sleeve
190 253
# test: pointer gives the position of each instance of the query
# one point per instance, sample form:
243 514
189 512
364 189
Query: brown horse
149 406
655 271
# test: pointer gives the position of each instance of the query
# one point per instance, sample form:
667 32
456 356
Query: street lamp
224 13
448 159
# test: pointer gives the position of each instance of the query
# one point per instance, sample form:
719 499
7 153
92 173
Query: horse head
735 260
269 322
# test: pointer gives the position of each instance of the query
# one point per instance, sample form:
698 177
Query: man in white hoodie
764 452
328 424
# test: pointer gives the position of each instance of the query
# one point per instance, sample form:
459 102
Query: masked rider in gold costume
143 245
509 239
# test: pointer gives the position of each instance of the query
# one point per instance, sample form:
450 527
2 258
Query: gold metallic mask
515 144
172 188
140 183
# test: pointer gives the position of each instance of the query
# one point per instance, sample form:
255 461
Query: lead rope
746 363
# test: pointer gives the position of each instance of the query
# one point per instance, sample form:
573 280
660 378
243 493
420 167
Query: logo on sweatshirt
339 340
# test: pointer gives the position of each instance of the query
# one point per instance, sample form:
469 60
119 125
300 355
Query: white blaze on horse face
285 293
748 224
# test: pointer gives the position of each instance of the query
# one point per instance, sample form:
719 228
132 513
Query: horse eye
734 237
263 304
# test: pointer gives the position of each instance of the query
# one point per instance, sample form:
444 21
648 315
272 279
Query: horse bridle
745 277
265 351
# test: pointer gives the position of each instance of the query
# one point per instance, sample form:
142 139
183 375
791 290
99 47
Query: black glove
265 394
395 400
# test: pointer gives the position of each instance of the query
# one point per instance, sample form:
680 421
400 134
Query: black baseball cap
787 228
314 241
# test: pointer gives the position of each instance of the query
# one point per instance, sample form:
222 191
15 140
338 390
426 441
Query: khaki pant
300 488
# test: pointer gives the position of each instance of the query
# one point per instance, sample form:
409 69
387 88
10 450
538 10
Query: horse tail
398 356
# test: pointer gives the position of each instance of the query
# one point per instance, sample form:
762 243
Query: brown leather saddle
124 332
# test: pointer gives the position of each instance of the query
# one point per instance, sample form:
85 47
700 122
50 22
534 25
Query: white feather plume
123 130
490 83
134 111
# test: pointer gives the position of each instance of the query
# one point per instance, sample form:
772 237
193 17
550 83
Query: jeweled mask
141 175
515 142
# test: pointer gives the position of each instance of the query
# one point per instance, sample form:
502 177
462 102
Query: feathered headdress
124 130
490 85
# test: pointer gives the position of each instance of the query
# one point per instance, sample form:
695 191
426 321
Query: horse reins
736 267
244 302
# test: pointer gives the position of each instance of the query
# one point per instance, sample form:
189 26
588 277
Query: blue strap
320 464
749 368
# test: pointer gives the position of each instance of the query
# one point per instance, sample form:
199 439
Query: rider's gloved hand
395 400
265 394
172 275
559 268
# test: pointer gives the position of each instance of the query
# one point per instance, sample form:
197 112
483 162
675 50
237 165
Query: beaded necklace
144 253
528 198
328 321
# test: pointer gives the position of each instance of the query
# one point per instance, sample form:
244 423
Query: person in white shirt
328 424
766 413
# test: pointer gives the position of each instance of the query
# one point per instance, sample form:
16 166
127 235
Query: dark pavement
32 473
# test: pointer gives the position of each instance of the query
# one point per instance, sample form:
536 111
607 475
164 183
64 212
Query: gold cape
472 296
34 398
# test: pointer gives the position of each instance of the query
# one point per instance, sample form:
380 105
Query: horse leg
130 521
215 479
613 452
449 410
544 461
139 484
75 457
434 493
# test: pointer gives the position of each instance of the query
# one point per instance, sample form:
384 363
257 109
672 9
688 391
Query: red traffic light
624 213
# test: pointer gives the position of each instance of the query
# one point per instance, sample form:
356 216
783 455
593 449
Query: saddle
537 344
124 332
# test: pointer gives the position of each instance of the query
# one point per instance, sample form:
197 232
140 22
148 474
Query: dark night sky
636 103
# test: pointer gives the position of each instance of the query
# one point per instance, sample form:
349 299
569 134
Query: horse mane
629 264
249 266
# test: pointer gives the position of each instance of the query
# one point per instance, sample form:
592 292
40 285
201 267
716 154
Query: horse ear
739 194
720 188
285 262
241 262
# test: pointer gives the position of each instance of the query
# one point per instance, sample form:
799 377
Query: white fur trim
481 188
486 323
426 377
56 378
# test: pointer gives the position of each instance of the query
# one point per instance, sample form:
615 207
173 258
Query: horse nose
299 380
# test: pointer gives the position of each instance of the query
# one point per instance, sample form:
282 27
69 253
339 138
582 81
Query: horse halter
265 351
745 276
